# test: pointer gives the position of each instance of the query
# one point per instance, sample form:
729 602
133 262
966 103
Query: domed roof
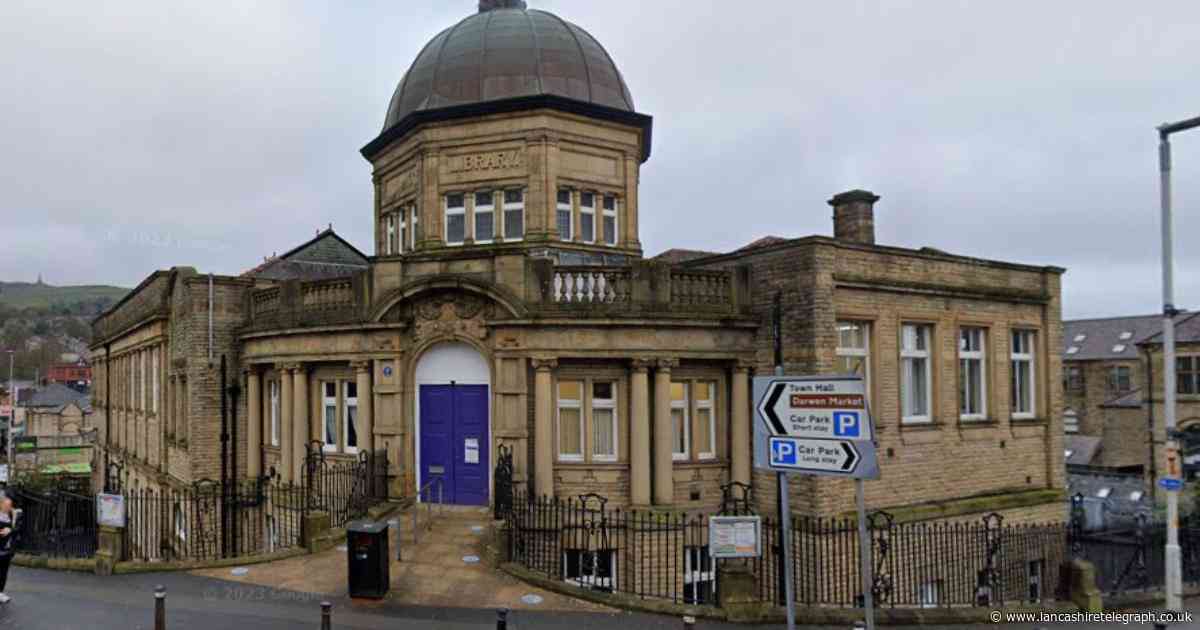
506 51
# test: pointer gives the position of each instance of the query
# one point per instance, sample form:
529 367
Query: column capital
293 367
666 365
641 364
744 364
361 366
544 364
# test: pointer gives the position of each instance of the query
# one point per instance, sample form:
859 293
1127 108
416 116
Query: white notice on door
472 451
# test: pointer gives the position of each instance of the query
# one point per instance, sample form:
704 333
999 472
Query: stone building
1113 392
508 305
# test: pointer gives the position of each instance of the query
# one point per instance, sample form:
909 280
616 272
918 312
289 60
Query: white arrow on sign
830 456
834 409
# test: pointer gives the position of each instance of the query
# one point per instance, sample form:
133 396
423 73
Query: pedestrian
8 539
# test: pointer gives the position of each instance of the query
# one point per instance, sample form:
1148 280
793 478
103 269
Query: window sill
1028 421
579 463
980 423
700 463
920 426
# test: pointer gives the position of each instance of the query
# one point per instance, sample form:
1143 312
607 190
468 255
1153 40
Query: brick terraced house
508 304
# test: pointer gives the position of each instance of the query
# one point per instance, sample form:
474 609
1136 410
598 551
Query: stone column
639 433
285 424
366 417
253 422
300 419
741 431
543 433
664 482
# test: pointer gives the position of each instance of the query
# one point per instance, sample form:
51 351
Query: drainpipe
210 319
1150 424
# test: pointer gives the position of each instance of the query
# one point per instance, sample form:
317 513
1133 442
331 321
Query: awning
73 468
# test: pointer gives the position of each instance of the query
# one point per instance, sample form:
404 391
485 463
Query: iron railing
664 555
210 520
345 488
54 522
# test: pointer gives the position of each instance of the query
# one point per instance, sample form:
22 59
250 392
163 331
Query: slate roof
57 395
678 255
1082 448
1129 400
1187 330
327 255
1102 337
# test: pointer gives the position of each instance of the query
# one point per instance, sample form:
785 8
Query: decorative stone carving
642 364
667 365
452 314
543 363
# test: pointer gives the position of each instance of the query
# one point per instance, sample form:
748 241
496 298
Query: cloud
143 134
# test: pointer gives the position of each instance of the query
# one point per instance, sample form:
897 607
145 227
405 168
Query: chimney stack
854 216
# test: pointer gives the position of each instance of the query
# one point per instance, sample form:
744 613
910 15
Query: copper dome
506 51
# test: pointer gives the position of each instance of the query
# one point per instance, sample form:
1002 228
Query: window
591 569
604 421
329 405
1126 336
1119 348
1120 380
587 217
565 214
456 219
1187 375
1136 496
485 217
610 220
389 243
915 386
1073 350
1073 379
514 215
1023 395
927 594
680 440
350 416
972 373
1037 568
415 235
142 380
1070 421
180 524
570 421
854 351
273 387
403 231
1104 492
1080 338
154 380
699 578
706 422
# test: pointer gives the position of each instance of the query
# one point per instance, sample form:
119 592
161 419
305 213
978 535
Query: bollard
326 616
689 622
160 607
501 619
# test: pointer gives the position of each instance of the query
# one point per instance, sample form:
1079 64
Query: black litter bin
367 555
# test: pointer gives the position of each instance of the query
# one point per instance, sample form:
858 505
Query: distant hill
86 298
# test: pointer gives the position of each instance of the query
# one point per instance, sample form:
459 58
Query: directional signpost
819 425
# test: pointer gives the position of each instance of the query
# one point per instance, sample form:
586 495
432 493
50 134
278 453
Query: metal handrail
441 487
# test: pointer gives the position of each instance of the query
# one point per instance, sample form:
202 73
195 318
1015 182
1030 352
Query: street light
1174 576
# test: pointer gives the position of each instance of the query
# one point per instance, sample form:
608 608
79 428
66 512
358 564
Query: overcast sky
140 134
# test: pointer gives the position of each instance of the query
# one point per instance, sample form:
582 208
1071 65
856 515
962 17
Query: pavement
435 570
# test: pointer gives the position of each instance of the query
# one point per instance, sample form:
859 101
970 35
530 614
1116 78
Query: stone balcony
642 289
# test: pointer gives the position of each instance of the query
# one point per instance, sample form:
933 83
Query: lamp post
12 411
1174 569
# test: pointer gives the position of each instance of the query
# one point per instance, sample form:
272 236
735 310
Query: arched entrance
453 439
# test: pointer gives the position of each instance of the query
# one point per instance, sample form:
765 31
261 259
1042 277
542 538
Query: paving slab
431 572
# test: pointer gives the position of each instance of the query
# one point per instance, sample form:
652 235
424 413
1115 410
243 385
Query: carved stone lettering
492 161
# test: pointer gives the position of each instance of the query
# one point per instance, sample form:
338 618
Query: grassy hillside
22 295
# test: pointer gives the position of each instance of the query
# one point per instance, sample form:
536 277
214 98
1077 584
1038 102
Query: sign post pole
864 551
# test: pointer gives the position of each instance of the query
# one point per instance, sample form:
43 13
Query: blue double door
454 441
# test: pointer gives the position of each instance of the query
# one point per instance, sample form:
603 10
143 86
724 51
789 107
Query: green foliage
79 300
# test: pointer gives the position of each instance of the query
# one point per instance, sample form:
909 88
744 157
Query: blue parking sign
783 453
847 424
